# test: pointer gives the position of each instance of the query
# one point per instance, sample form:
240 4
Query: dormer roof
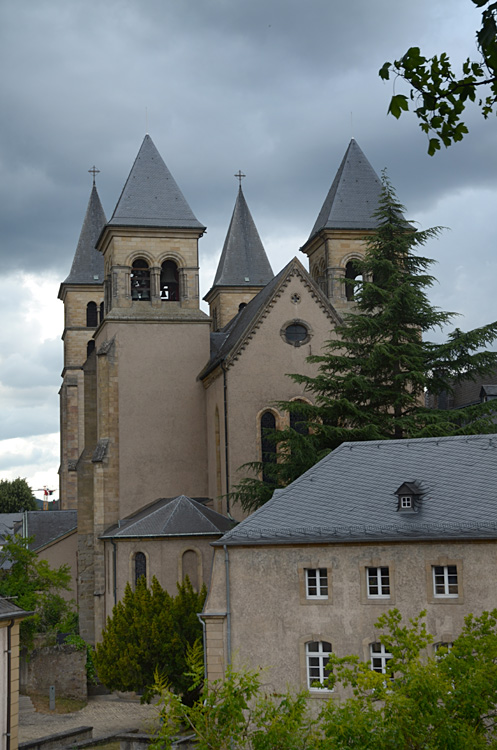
151 196
243 260
353 197
88 264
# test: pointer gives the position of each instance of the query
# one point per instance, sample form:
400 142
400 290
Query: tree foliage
372 379
440 94
16 496
447 700
150 631
35 587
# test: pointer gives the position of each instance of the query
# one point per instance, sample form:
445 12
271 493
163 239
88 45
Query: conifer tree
149 634
373 378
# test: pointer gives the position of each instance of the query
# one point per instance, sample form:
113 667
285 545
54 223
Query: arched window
101 311
352 273
298 421
268 447
189 565
140 279
169 281
91 315
140 566
317 654
90 347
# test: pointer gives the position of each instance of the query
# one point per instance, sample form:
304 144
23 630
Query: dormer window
409 497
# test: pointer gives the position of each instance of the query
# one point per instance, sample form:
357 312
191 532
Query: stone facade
148 411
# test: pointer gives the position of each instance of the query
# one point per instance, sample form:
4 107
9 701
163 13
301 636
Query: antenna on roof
146 120
94 171
352 125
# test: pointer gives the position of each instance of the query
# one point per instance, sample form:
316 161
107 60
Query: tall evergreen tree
372 379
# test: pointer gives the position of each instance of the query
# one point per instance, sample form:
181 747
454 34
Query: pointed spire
151 197
353 197
243 261
88 264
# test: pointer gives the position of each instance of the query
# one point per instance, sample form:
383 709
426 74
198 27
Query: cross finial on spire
94 171
240 176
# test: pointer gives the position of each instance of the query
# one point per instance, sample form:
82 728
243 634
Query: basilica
162 404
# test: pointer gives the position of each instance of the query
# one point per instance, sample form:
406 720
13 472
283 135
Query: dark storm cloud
273 87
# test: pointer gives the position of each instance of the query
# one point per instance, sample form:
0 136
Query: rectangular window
317 654
378 581
405 501
316 583
379 658
445 581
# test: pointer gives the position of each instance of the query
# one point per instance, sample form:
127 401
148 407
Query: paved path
105 713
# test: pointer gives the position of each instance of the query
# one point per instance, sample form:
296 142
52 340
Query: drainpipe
228 604
9 679
204 640
114 569
226 452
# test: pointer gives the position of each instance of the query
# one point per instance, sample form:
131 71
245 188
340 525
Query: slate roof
151 197
349 495
171 517
47 526
243 261
9 611
88 264
7 524
353 197
226 342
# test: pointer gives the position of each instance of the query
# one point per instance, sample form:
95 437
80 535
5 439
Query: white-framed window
442 644
378 583
405 502
316 583
379 657
445 581
317 654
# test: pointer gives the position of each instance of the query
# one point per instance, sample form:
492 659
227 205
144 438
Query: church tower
346 217
243 269
145 426
82 294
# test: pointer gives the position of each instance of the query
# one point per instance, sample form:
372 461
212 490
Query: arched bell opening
140 280
352 273
169 281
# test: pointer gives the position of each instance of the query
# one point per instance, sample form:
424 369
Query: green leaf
398 104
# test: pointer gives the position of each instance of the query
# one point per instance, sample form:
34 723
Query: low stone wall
62 739
62 666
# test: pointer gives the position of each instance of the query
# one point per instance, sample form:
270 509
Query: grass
62 705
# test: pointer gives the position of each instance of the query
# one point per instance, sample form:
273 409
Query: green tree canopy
16 496
33 585
440 94
372 379
150 631
442 701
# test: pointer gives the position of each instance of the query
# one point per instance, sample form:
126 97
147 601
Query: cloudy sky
275 88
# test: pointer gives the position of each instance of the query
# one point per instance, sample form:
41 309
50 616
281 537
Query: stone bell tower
346 217
145 421
82 294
